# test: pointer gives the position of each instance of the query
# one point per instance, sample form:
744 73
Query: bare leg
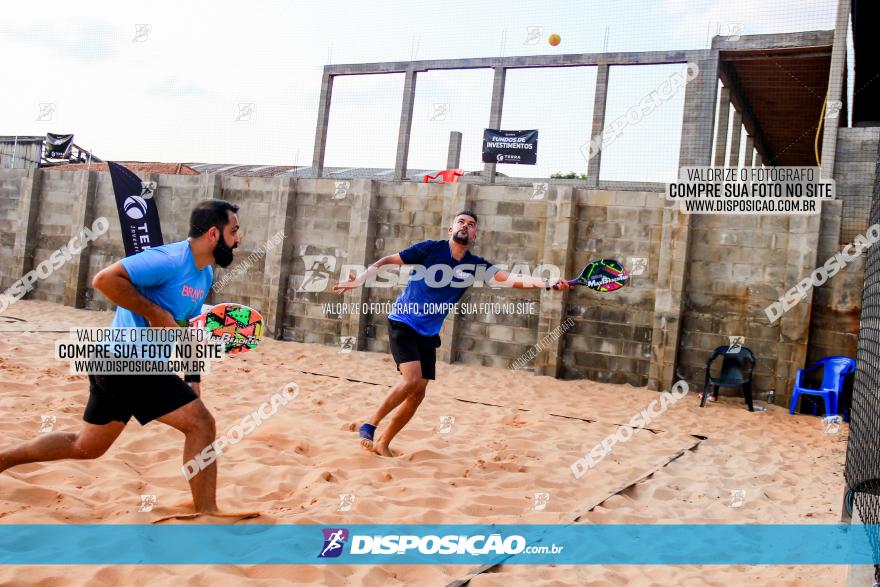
401 418
89 443
412 375
197 424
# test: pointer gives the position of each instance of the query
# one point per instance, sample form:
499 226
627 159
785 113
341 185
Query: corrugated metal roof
21 139
291 171
242 170
160 168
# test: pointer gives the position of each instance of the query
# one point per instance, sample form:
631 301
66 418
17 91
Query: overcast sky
172 90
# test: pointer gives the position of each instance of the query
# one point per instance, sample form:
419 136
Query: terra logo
334 541
135 207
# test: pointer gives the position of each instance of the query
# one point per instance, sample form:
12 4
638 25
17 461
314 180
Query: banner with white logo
138 215
57 146
510 146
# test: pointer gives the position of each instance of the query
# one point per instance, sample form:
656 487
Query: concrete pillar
698 121
669 301
723 122
26 231
456 197
559 238
279 261
361 242
210 186
323 122
794 325
495 112
82 215
696 149
594 147
453 156
835 88
750 151
736 133
406 115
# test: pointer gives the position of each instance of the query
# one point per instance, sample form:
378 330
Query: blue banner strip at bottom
255 544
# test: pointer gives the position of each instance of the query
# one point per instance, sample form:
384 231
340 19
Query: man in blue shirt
159 287
418 314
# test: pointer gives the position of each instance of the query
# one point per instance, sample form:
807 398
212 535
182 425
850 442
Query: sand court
512 436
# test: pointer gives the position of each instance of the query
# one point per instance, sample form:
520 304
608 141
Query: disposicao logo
334 541
402 544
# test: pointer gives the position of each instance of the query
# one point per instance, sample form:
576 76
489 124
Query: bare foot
382 449
367 444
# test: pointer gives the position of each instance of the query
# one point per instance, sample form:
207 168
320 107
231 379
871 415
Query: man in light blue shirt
159 287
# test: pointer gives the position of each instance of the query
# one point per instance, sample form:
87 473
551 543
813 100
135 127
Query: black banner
510 146
57 146
138 215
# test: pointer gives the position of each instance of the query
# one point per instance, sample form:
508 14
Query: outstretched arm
520 281
343 286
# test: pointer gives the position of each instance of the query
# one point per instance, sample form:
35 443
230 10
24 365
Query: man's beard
222 253
462 240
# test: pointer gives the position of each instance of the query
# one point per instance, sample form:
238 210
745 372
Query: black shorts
146 397
408 345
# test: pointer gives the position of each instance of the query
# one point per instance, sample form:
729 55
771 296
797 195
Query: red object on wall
448 175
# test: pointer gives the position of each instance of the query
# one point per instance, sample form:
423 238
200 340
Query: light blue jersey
168 277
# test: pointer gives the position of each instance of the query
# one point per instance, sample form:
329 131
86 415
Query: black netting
863 450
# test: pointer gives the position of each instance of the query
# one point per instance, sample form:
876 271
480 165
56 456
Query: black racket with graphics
603 276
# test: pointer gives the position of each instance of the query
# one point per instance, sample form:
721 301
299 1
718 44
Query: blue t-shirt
168 277
418 303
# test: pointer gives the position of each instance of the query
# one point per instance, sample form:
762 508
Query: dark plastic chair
834 369
733 373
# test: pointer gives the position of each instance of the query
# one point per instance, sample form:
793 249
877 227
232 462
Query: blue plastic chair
834 369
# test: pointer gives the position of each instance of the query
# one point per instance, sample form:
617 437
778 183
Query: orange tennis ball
554 39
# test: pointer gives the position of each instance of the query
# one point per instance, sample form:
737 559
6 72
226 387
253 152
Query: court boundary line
696 440
461 581
468 401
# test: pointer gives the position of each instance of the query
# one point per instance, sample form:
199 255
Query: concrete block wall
404 214
834 321
737 267
611 339
725 270
108 249
855 164
254 198
319 231
59 191
11 222
509 232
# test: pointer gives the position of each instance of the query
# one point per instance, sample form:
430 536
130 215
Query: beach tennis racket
238 327
603 276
